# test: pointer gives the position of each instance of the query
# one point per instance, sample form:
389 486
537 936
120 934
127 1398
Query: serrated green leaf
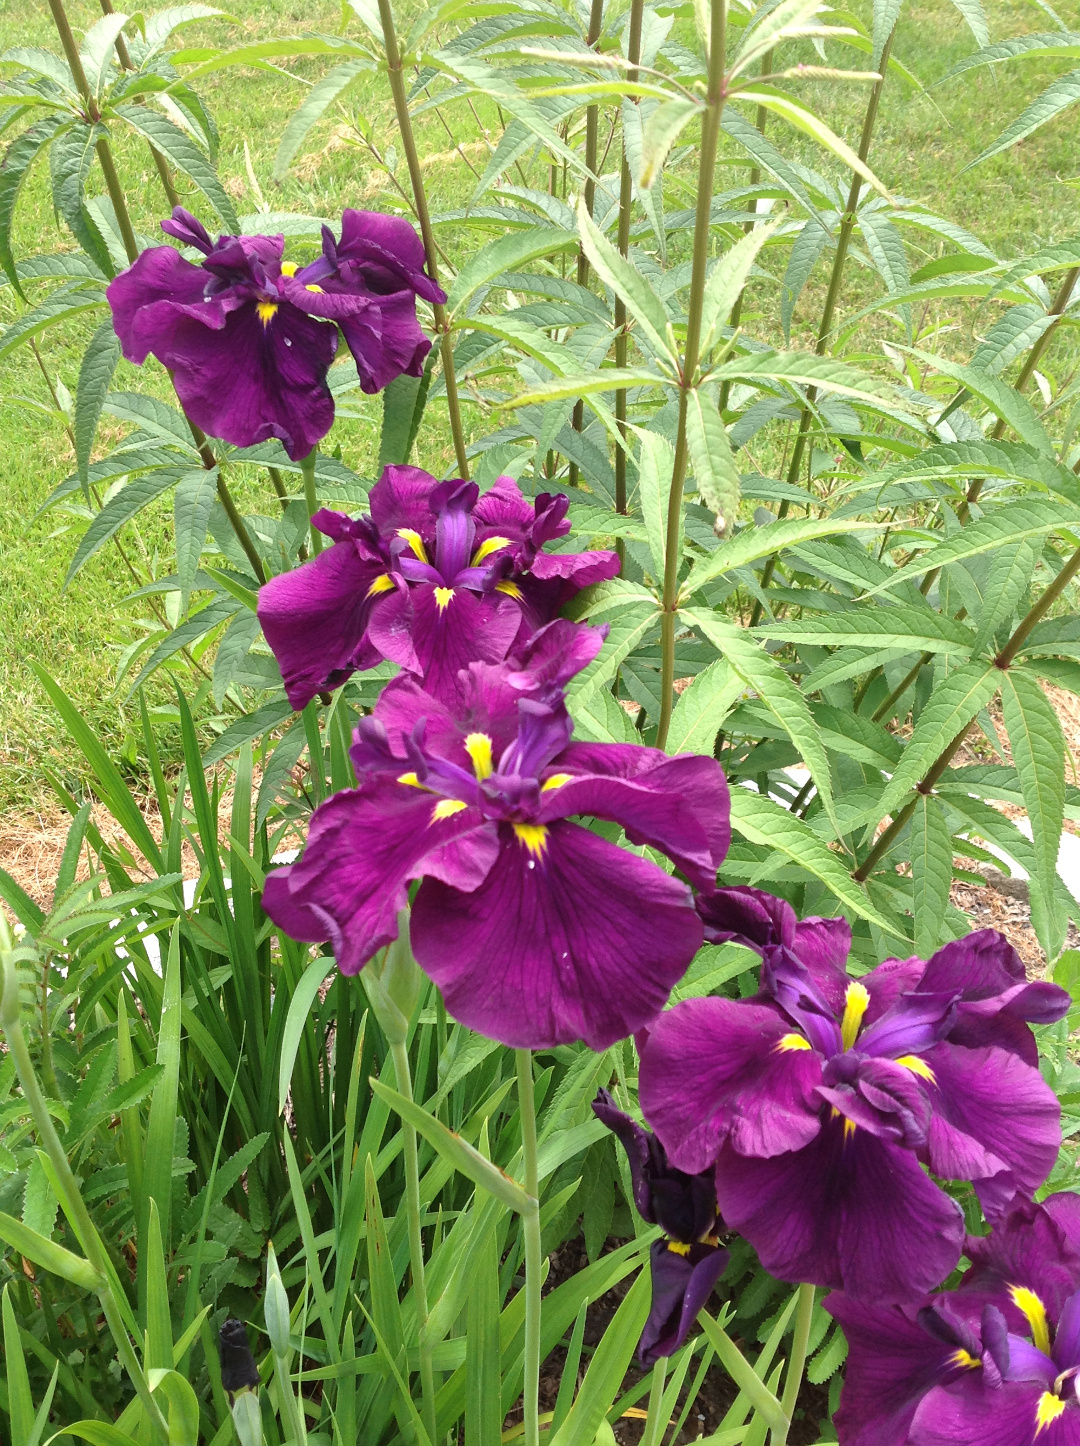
182 152
1057 96
1033 517
717 476
1038 749
931 873
908 629
726 282
96 52
62 304
607 379
701 709
1004 401
630 285
95 373
751 544
320 97
764 822
18 158
1011 570
775 689
627 630
655 462
801 119
196 492
659 132
120 509
953 704
507 253
247 729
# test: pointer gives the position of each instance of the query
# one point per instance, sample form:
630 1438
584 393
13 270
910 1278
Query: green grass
1015 202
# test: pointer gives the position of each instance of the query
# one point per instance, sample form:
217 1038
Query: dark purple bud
238 1368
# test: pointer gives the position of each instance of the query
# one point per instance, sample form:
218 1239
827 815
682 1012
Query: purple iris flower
821 1099
686 1265
368 283
249 337
538 931
996 1361
436 577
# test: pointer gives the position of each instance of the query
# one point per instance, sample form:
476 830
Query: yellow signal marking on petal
383 583
443 596
478 747
849 1129
918 1066
411 781
1047 1411
511 589
788 1042
312 287
487 547
533 836
856 1001
555 781
289 268
1029 1303
678 1248
446 808
965 1359
266 310
415 541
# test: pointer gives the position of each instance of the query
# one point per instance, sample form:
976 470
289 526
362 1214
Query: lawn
1016 201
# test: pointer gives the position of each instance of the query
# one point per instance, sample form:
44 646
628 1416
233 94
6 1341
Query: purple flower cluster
822 1118
249 338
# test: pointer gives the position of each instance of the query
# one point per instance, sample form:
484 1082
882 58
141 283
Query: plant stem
1003 661
626 200
710 134
307 468
396 74
592 135
124 57
72 1200
832 296
655 1423
400 1055
793 1382
530 1221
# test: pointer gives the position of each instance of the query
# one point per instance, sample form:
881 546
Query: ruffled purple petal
913 1024
1028 1249
680 806
889 983
992 1097
145 300
879 1096
375 241
715 1070
892 1362
555 578
503 511
445 636
681 1286
996 1000
402 499
253 380
569 938
315 617
364 847
554 655
386 342
1009 1416
848 1211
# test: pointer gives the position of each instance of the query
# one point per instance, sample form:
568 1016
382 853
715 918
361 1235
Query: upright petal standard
821 1100
436 577
538 931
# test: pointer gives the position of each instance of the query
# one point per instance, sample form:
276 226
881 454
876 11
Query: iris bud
276 1307
392 981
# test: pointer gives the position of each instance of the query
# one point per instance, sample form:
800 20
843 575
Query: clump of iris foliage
616 776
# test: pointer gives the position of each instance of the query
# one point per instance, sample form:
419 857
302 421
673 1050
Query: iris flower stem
654 1424
796 1366
400 1055
530 1221
710 135
71 1195
1004 660
832 296
622 339
311 501
396 73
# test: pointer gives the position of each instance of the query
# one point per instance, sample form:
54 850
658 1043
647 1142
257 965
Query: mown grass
1014 202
